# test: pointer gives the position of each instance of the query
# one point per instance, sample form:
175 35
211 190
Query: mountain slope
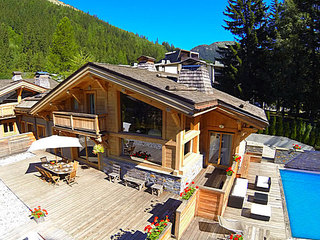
27 27
210 52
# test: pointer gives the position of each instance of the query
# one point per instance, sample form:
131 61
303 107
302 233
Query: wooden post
71 121
19 93
97 124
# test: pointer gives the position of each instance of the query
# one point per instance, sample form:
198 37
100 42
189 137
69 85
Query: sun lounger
260 212
233 226
238 193
262 183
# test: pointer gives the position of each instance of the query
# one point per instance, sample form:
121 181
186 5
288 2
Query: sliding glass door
220 148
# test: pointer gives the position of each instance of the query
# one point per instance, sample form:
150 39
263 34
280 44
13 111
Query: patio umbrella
54 141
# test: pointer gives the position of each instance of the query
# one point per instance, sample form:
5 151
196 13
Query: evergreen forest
37 35
275 61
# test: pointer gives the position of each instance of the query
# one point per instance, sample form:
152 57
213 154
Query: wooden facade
93 104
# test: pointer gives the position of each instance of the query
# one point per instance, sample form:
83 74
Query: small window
188 147
75 105
23 127
29 127
5 127
11 127
41 131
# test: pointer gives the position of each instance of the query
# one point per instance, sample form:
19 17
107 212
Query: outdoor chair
262 183
233 226
43 175
52 179
238 193
44 159
71 178
75 165
260 212
115 174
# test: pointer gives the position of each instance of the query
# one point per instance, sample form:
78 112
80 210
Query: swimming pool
302 192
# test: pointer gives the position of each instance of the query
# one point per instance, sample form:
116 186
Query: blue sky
185 24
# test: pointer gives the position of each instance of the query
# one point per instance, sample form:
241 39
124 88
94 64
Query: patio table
58 168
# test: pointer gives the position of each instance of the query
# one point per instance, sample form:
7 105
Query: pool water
302 192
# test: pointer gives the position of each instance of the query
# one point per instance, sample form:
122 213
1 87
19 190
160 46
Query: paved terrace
92 209
274 229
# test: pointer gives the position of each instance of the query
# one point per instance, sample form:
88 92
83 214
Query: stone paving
13 212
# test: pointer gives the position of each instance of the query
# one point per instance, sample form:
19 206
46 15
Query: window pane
214 147
225 149
10 126
139 117
5 127
188 147
139 150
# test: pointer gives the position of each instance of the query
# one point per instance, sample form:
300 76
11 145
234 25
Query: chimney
16 76
146 62
42 79
195 76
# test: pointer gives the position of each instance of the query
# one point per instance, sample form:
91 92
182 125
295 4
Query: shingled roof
308 160
162 85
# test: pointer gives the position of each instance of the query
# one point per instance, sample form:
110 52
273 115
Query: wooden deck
92 209
273 229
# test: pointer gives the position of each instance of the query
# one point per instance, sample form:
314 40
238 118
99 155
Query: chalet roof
12 86
28 102
158 87
6 82
308 160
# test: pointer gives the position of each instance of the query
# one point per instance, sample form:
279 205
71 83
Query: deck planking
273 229
92 209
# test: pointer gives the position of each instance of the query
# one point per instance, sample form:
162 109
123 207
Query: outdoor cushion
261 212
263 182
240 187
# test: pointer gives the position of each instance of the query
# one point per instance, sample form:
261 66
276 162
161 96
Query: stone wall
284 155
174 184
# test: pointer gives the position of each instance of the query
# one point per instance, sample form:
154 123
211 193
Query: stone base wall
171 183
284 155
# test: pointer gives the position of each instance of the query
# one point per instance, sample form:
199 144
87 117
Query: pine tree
266 131
294 130
63 48
247 21
273 126
287 129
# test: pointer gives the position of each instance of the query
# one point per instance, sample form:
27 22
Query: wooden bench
156 189
135 181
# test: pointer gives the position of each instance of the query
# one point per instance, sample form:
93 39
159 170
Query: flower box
166 233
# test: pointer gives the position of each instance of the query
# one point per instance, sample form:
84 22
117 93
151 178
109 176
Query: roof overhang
22 84
161 96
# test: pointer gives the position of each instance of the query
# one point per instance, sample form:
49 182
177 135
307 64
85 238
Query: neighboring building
173 62
179 121
12 91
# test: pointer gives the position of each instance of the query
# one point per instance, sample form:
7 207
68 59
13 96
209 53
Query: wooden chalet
12 91
176 128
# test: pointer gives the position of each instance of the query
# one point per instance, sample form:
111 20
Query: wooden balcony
7 110
83 122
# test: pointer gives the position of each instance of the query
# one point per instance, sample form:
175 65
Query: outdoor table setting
58 168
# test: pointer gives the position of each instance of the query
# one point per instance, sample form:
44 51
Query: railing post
54 119
97 124
71 121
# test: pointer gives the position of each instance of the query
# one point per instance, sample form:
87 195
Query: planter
39 220
166 233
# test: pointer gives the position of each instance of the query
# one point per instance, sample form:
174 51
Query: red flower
156 219
167 216
152 223
187 183
192 182
197 187
180 196
157 224
165 224
162 220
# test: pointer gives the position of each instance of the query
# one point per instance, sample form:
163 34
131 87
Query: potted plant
143 155
188 192
229 171
237 158
38 214
98 148
296 147
158 229
236 237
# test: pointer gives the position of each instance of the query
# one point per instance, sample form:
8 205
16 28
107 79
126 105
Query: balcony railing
91 123
7 109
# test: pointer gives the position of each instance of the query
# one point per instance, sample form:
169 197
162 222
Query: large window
139 117
142 151
220 148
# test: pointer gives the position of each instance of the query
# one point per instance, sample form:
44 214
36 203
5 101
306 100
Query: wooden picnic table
60 168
